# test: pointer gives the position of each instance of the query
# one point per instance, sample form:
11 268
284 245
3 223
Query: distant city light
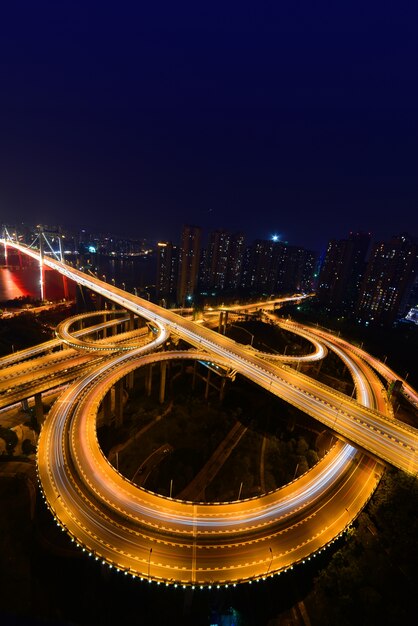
92 249
275 237
412 316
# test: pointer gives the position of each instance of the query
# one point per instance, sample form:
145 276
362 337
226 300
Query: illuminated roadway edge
63 332
386 438
46 346
280 511
168 540
276 559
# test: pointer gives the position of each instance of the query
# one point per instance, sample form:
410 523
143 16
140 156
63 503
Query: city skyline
284 120
371 284
80 232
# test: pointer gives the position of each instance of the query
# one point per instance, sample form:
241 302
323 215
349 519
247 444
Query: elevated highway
36 370
188 543
179 542
48 346
390 440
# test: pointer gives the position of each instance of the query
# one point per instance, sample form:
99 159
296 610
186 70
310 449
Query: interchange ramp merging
178 542
187 543
391 440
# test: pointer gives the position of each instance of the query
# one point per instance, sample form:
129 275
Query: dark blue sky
292 117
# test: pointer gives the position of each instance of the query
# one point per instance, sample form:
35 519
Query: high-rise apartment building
223 261
275 267
295 271
235 262
167 271
227 266
246 270
216 260
388 280
188 264
261 266
342 271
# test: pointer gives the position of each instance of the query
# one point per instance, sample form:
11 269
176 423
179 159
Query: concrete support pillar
39 409
207 386
107 407
114 329
148 380
306 367
131 321
130 380
25 404
104 329
194 375
225 322
119 403
221 316
162 381
222 389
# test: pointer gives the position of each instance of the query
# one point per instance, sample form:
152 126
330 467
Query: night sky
297 118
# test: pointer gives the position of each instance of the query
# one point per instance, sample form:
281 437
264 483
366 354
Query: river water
19 279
